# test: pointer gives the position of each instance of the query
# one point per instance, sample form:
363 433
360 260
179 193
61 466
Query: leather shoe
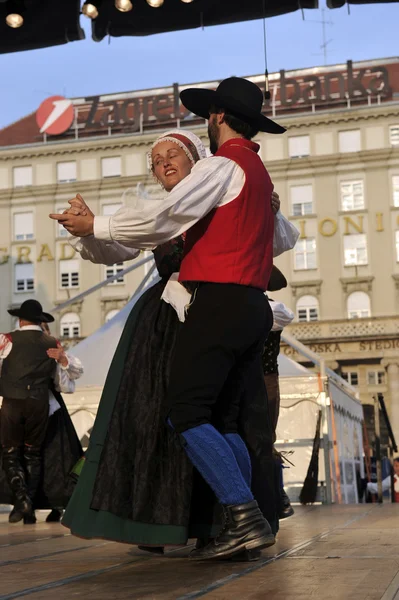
30 519
54 516
244 529
22 508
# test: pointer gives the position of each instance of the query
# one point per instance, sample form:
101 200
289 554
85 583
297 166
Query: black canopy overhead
31 24
175 15
45 23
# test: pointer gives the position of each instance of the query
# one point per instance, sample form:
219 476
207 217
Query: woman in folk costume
61 448
282 316
137 483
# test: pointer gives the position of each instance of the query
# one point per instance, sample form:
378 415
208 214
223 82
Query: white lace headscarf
187 141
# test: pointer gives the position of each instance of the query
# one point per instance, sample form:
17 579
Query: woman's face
170 163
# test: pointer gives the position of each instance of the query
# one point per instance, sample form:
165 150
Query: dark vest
27 371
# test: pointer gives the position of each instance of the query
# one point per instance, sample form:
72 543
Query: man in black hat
26 374
223 207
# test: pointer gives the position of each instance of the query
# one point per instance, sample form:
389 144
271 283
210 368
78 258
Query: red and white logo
55 115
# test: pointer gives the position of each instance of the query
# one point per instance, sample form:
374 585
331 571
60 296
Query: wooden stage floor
339 552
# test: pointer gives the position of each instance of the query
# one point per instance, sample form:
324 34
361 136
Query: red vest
234 243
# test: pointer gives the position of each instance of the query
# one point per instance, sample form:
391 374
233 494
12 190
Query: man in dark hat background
227 265
27 370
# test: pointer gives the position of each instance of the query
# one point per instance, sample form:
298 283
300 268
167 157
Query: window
305 254
375 377
61 231
24 277
23 226
301 200
110 315
70 325
395 190
69 273
355 249
358 305
111 167
22 176
110 209
352 377
394 135
114 270
397 245
352 195
349 141
307 309
66 172
299 146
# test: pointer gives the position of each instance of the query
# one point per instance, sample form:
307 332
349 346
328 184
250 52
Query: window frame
72 276
291 143
356 249
67 162
25 237
301 203
20 168
109 158
28 282
111 270
305 254
352 183
71 327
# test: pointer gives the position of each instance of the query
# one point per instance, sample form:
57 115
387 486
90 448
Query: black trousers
217 357
24 422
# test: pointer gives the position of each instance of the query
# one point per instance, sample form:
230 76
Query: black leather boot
55 516
33 466
286 509
245 556
16 480
244 529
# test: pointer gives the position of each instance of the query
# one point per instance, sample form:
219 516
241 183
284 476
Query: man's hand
77 225
275 200
59 355
77 220
78 207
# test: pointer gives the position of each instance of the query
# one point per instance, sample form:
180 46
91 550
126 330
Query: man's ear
220 118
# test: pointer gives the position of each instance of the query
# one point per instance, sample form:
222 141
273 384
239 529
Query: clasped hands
77 220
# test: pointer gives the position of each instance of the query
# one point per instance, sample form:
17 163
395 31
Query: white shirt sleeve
65 377
103 252
5 348
162 220
282 316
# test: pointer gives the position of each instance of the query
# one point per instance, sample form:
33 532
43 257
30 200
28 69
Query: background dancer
61 447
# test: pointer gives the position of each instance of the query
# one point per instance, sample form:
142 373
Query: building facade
337 173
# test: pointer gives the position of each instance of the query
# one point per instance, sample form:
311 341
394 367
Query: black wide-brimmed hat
31 310
238 96
277 280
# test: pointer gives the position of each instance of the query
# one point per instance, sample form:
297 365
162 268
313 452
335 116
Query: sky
88 68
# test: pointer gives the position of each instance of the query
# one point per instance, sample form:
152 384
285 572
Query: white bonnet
188 141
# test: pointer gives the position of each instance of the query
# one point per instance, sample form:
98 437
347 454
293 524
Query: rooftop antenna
326 42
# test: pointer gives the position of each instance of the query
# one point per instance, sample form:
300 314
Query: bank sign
141 111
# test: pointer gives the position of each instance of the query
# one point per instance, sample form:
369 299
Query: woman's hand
275 200
59 355
78 207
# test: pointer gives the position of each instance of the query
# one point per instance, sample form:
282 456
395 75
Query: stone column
393 386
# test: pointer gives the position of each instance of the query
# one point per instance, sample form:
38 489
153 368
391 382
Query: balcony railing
346 328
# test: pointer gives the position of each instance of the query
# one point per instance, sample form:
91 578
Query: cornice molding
84 145
330 161
40 194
